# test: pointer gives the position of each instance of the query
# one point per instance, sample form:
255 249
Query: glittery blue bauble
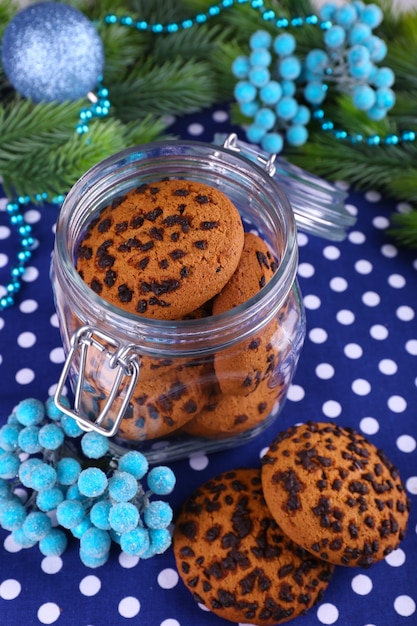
52 52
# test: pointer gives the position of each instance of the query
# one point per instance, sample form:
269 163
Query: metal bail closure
123 359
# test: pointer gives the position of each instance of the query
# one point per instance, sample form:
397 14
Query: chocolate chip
156 233
96 286
125 294
201 244
104 225
143 263
177 254
154 214
142 306
110 278
121 227
117 201
137 221
262 260
142 188
85 252
181 192
206 225
202 199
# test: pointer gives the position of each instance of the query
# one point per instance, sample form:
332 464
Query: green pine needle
404 228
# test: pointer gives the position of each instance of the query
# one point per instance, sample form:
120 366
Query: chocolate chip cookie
236 560
335 493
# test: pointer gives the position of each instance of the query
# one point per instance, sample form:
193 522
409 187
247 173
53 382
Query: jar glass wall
179 386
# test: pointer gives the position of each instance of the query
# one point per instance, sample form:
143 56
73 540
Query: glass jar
171 388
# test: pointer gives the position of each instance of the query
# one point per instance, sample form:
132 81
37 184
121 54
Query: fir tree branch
404 228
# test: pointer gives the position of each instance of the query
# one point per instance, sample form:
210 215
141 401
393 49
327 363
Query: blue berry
372 15
240 67
68 469
335 37
51 436
5 490
134 463
290 68
385 98
43 477
95 542
315 92
36 525
259 76
9 435
30 412
317 61
362 71
384 77
254 133
160 539
161 480
91 561
9 465
286 108
99 514
377 48
26 470
52 410
359 33
70 426
265 118
260 39
249 108
288 87
376 113
136 542
297 135
94 445
123 517
346 15
122 486
12 514
302 116
272 143
284 44
327 11
92 482
157 514
54 543
363 97
78 530
20 538
29 440
244 91
48 499
260 57
70 513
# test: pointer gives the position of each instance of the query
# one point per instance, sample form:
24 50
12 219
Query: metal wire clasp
124 359
231 143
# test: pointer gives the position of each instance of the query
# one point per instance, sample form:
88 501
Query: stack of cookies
177 250
260 546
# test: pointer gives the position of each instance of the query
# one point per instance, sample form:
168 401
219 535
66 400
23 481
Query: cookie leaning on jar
166 250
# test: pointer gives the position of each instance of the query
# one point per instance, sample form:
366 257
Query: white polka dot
57 355
397 404
317 335
26 340
345 317
32 216
404 207
353 350
388 367
331 253
352 209
25 376
10 589
30 274
373 196
263 451
361 387
361 584
356 237
48 613
332 408
363 267
129 606
312 302
220 116
405 313
325 371
389 251
404 606
342 184
338 284
295 393
396 280
170 622
195 129
54 320
302 239
3 201
406 443
411 485
370 298
4 259
369 425
127 561
327 613
28 306
380 222
199 462
378 331
411 347
306 270
5 232
396 558
11 546
90 585
51 564
167 578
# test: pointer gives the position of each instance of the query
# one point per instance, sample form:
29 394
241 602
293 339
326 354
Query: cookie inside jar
197 276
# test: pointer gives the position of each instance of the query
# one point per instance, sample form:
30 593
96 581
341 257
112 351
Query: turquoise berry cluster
278 92
96 497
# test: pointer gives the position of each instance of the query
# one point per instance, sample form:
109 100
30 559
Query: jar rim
230 326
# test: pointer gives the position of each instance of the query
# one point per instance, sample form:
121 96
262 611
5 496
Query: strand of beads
97 504
280 93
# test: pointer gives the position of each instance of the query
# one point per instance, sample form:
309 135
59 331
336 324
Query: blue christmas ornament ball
52 52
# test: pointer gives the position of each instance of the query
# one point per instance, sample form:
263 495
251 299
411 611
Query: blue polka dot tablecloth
358 368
